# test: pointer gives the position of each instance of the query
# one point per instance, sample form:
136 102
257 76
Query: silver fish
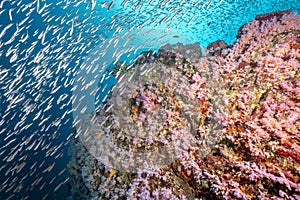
10 14
5 29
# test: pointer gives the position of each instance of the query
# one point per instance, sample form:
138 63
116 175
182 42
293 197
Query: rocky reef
231 115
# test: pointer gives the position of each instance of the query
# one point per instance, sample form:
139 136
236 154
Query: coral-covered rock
145 57
215 48
272 15
257 156
218 43
189 51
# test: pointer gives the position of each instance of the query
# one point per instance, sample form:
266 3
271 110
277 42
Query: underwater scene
153 99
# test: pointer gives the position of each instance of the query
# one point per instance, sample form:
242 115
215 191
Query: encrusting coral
255 154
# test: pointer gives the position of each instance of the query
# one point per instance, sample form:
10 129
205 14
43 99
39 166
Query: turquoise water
44 46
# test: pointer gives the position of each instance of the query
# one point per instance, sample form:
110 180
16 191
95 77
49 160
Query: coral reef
254 153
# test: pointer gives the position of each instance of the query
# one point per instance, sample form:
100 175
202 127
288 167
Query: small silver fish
10 14
5 29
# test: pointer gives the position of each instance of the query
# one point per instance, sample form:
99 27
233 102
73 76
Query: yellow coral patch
99 134
132 118
111 173
134 109
253 105
123 138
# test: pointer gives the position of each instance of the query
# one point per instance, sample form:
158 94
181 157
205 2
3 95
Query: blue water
36 89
